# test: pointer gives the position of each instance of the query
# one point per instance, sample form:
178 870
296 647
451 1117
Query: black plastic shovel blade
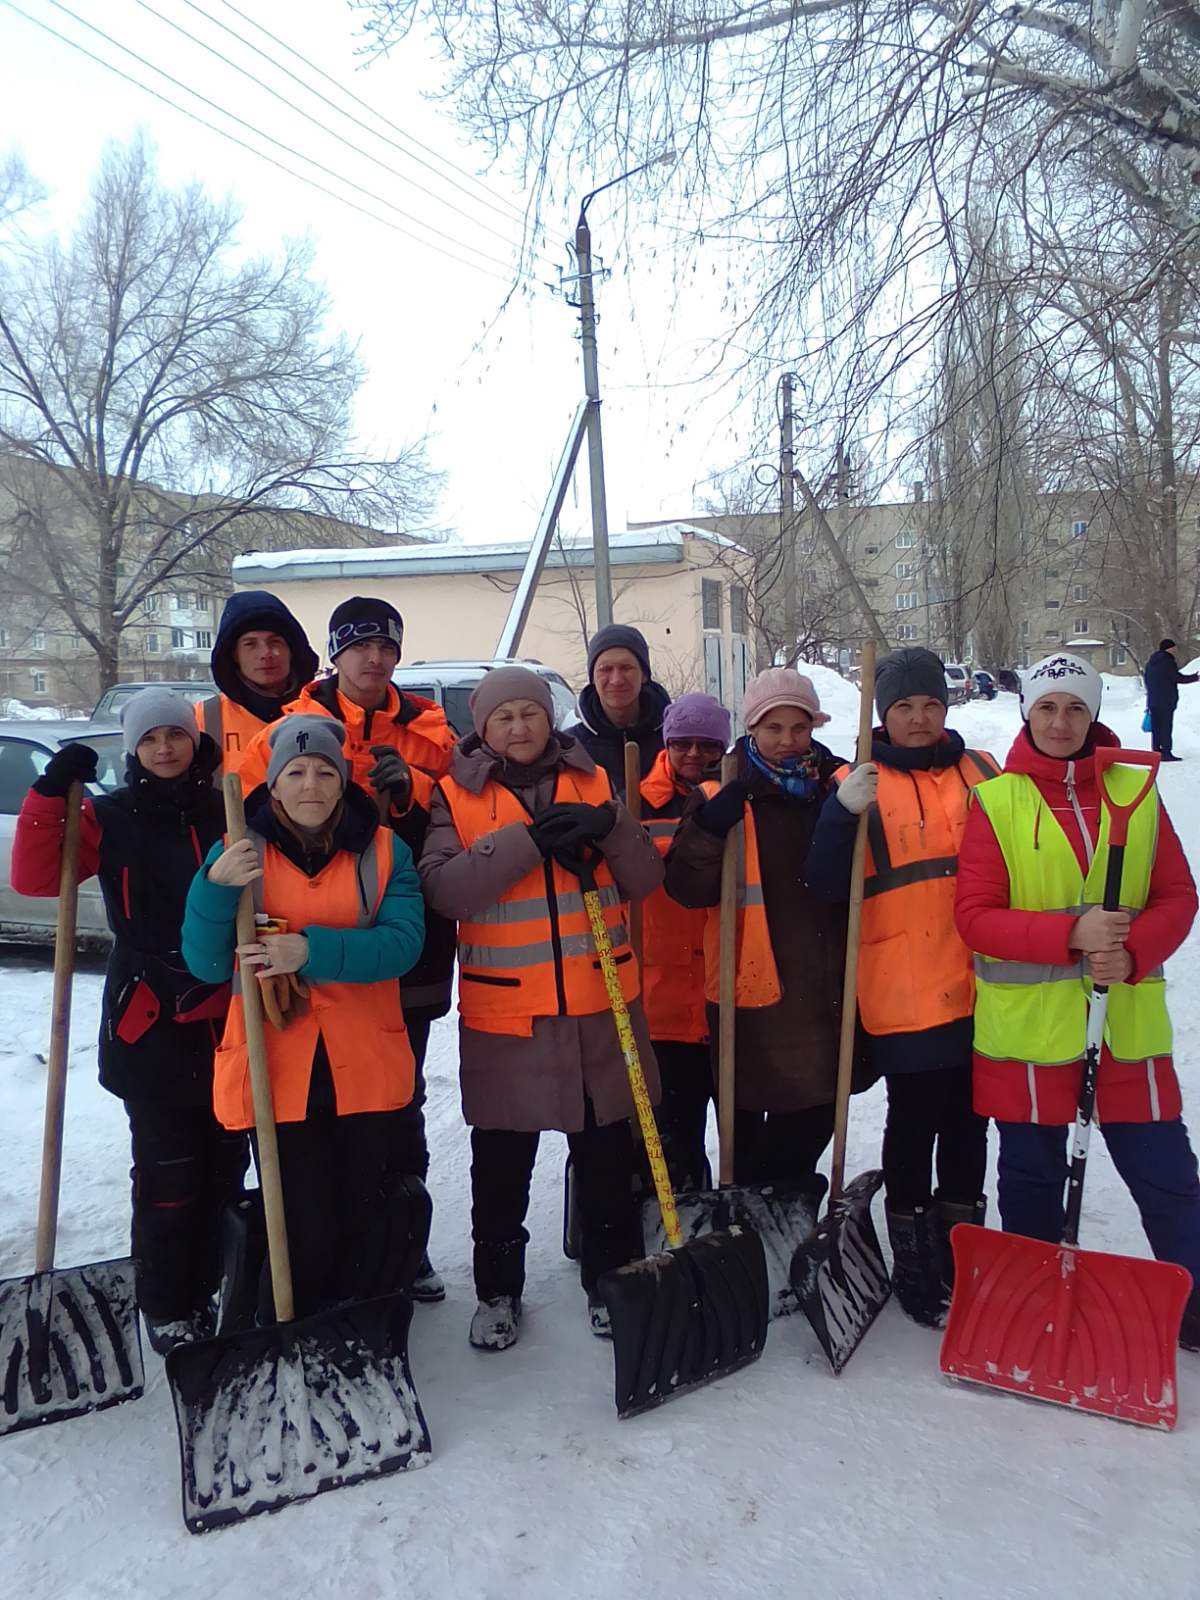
69 1343
280 1414
782 1215
686 1316
839 1274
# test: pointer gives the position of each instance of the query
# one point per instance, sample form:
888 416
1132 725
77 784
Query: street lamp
584 276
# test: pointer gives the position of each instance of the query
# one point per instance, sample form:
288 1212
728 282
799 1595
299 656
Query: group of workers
381 851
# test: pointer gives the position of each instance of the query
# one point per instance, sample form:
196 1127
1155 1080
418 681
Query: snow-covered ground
780 1481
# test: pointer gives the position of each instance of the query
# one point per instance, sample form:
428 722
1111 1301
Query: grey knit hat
307 736
618 636
907 672
157 708
508 683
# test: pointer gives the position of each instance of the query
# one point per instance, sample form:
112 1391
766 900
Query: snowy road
780 1481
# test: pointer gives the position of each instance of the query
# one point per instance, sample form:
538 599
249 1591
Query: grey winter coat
544 1082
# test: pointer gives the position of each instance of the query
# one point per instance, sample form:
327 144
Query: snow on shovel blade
283 1413
686 1316
782 1215
839 1274
1076 1327
69 1343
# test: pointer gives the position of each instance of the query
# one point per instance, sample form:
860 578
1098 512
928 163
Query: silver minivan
451 684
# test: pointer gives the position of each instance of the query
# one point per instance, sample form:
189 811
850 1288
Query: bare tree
158 397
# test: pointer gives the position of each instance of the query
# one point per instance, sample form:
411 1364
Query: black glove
391 773
724 811
575 825
74 763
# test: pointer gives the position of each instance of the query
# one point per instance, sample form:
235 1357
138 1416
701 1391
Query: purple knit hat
696 716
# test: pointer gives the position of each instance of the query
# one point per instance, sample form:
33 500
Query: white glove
858 789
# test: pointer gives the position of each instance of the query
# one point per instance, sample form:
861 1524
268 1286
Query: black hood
255 608
652 707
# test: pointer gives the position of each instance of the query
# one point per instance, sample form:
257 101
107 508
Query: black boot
948 1214
499 1268
916 1269
1189 1332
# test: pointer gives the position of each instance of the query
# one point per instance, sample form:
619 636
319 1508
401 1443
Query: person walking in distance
1162 678
159 1027
260 661
1030 903
537 1045
397 744
916 983
621 703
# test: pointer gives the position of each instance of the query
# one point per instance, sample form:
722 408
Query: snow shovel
69 1338
1080 1328
698 1310
839 1273
782 1214
281 1413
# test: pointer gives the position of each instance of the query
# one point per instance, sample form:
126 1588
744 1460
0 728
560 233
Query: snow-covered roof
638 547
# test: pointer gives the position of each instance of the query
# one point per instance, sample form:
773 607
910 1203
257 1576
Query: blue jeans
1155 1160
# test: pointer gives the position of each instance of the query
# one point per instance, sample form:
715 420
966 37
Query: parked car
108 708
959 682
451 683
25 751
1009 680
985 685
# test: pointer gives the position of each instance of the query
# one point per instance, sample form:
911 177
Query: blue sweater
335 955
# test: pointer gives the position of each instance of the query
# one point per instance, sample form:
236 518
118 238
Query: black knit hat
361 618
1166 644
618 636
907 672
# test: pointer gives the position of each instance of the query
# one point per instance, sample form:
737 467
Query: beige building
681 585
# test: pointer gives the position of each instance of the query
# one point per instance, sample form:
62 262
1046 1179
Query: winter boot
599 1318
1189 1332
499 1268
165 1333
916 1267
948 1214
427 1286
496 1323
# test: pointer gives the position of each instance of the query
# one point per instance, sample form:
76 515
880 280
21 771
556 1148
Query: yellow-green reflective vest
1027 1011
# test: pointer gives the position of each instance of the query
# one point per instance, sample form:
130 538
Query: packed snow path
779 1481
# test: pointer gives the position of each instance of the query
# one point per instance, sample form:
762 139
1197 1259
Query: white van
451 683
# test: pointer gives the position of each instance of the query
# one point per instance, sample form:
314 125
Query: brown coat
543 1082
786 1054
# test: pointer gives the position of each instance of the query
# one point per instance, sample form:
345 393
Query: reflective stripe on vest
1027 1012
756 982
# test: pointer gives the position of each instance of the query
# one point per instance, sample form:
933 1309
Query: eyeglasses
706 747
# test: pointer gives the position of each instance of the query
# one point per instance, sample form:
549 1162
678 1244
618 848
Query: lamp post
585 276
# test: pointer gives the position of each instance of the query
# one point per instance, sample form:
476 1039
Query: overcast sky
494 385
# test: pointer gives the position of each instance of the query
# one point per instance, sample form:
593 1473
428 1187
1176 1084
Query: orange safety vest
231 728
531 954
914 972
362 1025
672 935
757 977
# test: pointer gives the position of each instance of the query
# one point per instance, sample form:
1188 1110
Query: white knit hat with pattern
1061 674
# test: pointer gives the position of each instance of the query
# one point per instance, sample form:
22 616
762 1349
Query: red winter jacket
1126 1092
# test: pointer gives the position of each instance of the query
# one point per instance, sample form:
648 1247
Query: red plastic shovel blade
1077 1327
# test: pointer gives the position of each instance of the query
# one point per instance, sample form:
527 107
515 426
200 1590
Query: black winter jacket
605 742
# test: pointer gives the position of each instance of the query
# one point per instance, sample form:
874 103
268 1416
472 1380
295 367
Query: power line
279 144
292 106
224 133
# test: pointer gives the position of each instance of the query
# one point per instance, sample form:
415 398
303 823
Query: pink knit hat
781 686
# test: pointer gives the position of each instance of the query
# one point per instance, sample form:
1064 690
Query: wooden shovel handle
260 1078
841 1116
60 1034
726 991
633 804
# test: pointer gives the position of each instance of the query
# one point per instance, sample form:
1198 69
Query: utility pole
591 387
787 515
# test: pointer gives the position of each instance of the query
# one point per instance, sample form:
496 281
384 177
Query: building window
203 639
151 603
906 630
904 569
1081 625
1116 655
906 601
178 639
710 602
871 550
737 608
3 638
1079 591
1079 530
1051 633
151 644
181 601
1024 630
1053 605
39 682
906 539
37 639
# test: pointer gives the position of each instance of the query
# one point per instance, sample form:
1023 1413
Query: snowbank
18 711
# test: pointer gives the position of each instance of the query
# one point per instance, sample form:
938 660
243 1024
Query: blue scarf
797 776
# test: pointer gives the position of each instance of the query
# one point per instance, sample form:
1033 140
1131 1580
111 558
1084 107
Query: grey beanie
906 672
307 736
618 636
508 683
157 708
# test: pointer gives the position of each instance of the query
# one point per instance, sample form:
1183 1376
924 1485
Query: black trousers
412 1154
501 1168
682 1114
1162 725
928 1110
185 1167
780 1146
348 1221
